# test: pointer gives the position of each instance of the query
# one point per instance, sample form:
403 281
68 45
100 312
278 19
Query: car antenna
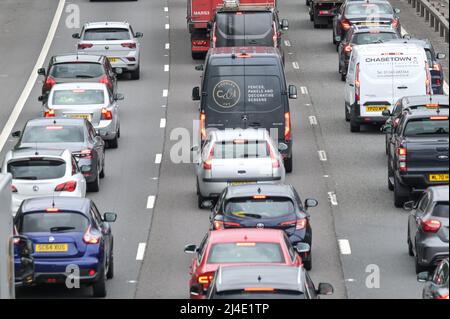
259 278
259 190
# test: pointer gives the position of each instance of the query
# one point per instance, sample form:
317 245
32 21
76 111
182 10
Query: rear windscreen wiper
60 229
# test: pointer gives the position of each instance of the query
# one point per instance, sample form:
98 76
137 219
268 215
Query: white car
40 173
115 40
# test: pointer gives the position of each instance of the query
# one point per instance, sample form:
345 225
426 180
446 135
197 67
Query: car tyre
288 164
354 126
347 114
110 273
114 143
136 74
410 247
102 173
401 193
307 263
419 267
94 186
390 174
99 288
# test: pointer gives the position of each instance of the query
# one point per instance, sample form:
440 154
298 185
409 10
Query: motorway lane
365 214
131 174
178 222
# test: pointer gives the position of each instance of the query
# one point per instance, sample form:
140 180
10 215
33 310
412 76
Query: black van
245 87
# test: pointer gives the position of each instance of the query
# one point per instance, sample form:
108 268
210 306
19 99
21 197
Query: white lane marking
287 43
344 246
326 176
333 198
304 90
165 93
151 202
166 9
141 251
322 156
167 26
167 46
312 120
166 68
296 65
158 158
132 281
162 123
350 280
163 106
33 77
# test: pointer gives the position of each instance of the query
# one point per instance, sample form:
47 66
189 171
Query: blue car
72 242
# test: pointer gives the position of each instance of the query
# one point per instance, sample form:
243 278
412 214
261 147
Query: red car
231 247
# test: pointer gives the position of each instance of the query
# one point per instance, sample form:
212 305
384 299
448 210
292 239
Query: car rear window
259 207
426 127
366 9
53 134
106 34
78 97
367 38
53 222
441 210
80 70
37 169
251 23
247 149
246 253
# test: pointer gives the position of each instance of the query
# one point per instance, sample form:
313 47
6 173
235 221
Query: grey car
89 101
116 40
76 135
436 286
428 227
236 157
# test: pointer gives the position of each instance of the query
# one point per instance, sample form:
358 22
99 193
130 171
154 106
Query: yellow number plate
113 60
376 108
438 177
80 116
52 248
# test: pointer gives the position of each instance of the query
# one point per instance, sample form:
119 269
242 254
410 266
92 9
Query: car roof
247 235
39 152
275 190
440 193
238 133
81 205
426 44
259 276
409 101
56 121
80 85
106 24
76 58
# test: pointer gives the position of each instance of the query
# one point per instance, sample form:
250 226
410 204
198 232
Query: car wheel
401 193
288 164
347 114
200 200
114 143
410 247
110 273
390 175
136 74
102 173
94 186
343 76
307 263
99 288
354 126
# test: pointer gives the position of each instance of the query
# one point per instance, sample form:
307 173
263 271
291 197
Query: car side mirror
195 148
387 128
119 97
441 56
285 24
85 168
16 134
293 92
325 289
41 98
386 113
410 205
199 67
139 35
397 10
406 36
423 276
282 147
311 202
337 38
76 35
196 290
190 249
110 217
302 248
41 71
196 94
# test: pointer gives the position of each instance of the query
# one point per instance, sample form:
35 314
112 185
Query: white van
380 74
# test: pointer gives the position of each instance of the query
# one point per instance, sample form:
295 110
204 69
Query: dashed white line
296 65
322 156
162 123
158 158
344 247
312 120
166 68
287 43
165 93
167 26
141 251
166 9
304 90
151 202
333 198
167 46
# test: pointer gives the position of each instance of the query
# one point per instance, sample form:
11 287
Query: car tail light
205 279
83 46
443 296
287 126
324 12
348 48
427 79
203 125
13 189
87 153
92 272
396 121
218 224
49 113
199 43
299 223
436 67
357 84
345 24
52 210
275 35
394 23
66 187
130 45
439 118
91 237
16 241
105 80
214 36
207 165
49 83
275 164
106 114
402 152
430 225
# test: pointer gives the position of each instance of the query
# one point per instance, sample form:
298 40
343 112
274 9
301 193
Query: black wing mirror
285 24
199 67
293 92
190 249
386 113
16 134
196 94
302 248
139 35
41 71
119 97
76 35
325 289
441 56
410 205
311 202
110 217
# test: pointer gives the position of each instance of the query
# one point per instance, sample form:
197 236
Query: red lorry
200 13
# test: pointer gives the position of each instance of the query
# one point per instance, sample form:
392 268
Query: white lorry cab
380 74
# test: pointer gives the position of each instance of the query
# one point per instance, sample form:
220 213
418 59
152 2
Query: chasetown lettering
390 59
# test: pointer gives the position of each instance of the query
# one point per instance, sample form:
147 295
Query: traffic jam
259 215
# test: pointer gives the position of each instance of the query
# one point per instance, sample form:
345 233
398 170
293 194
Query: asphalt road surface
357 232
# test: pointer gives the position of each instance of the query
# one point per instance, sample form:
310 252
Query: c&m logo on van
226 94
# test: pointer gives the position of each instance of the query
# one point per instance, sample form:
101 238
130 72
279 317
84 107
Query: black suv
77 68
246 88
417 152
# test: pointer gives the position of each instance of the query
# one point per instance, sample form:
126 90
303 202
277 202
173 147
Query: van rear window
252 23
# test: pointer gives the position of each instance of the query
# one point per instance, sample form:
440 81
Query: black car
76 135
245 87
77 68
266 206
418 152
248 26
437 73
360 35
436 286
412 102
364 13
265 282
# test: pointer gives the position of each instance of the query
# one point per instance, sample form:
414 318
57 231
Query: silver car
236 157
90 101
116 40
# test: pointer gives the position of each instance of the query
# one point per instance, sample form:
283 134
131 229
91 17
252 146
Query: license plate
80 116
240 183
113 60
52 248
438 177
376 108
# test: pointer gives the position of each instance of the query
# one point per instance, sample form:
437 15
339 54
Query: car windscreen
246 149
259 207
441 210
426 127
78 97
58 222
246 252
368 9
106 34
367 38
242 294
80 70
53 134
244 23
37 169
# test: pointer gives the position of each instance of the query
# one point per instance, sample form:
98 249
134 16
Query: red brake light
444 296
66 187
218 224
345 24
49 83
207 165
83 46
52 210
203 125
199 42
106 114
260 197
87 153
13 189
275 164
436 67
275 35
439 118
130 45
90 238
259 289
299 224
287 126
104 79
49 113
348 48
428 79
401 151
394 23
430 225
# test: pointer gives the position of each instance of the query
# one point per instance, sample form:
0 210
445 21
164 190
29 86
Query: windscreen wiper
61 229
